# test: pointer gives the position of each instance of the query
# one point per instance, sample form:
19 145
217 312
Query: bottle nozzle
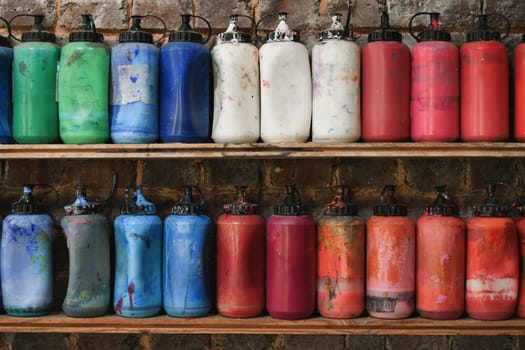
135 23
385 21
434 20
388 195
87 23
185 25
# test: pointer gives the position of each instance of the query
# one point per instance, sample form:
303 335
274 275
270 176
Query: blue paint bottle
184 85
6 110
134 77
138 271
26 258
186 258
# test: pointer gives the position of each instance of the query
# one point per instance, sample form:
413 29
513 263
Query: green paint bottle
83 81
35 117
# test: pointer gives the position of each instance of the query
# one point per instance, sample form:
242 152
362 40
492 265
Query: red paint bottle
484 85
520 226
340 260
519 91
440 268
290 260
434 102
492 261
385 86
240 258
390 259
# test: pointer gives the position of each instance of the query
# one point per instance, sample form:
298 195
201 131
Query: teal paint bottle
35 111
83 82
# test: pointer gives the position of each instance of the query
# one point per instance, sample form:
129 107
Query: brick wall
162 179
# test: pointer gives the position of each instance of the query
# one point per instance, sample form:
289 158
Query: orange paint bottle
340 260
440 268
492 261
390 258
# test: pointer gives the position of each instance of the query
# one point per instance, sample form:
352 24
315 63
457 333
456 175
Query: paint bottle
485 84
138 268
35 109
236 112
135 84
87 233
184 85
286 86
520 226
440 268
336 80
386 86
186 258
519 91
390 259
6 110
492 260
434 102
340 259
26 258
290 260
83 82
241 237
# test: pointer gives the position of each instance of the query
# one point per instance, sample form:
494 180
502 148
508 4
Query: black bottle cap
38 33
336 30
432 33
339 206
136 34
188 205
87 31
81 206
385 32
293 205
282 32
232 33
483 33
240 206
443 205
389 206
435 35
491 207
26 204
138 205
185 32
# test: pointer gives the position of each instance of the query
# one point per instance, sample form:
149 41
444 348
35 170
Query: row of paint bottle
439 266
267 94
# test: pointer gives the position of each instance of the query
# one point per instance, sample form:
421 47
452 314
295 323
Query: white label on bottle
132 85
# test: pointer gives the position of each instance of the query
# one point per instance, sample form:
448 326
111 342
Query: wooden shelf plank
265 151
58 323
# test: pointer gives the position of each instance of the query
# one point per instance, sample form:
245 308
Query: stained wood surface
265 151
58 323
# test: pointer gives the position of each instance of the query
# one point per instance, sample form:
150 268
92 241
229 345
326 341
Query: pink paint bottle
434 102
290 260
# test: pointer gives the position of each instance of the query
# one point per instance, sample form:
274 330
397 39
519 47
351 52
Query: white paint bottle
236 113
336 71
286 86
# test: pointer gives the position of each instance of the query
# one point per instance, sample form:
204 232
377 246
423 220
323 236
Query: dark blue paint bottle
135 75
184 86
138 268
6 57
186 258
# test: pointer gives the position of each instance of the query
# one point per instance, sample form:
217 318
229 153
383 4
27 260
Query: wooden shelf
265 151
58 323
